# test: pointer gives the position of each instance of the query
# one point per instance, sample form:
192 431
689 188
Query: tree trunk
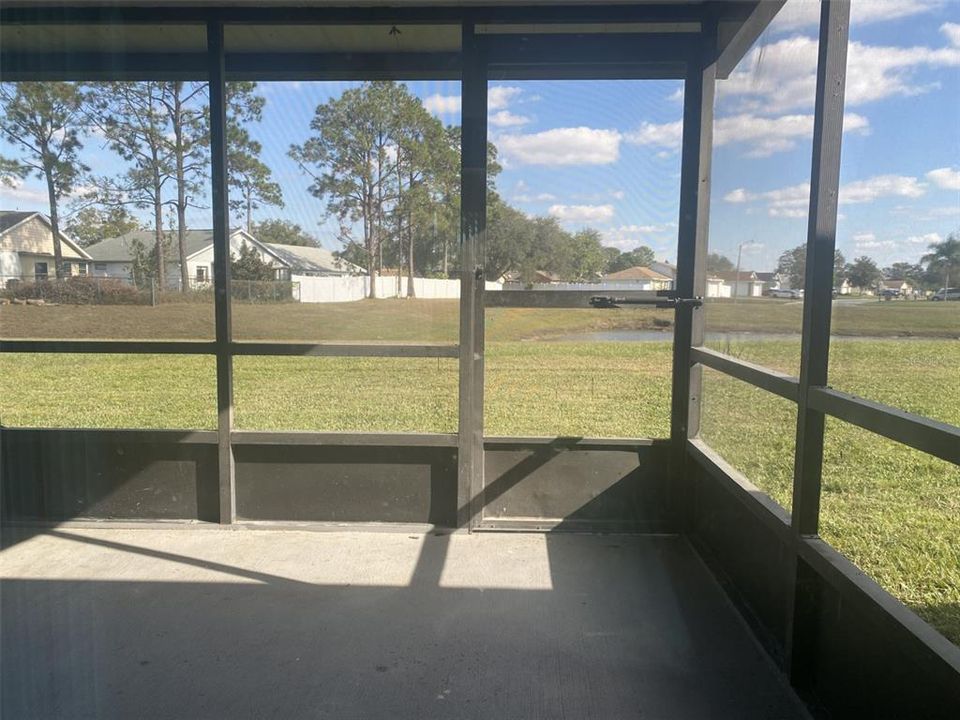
181 193
410 290
54 223
371 241
249 212
158 229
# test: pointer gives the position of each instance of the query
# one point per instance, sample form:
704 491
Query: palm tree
945 258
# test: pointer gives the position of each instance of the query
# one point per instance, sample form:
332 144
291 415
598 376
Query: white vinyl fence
349 289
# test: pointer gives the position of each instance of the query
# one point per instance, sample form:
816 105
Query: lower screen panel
346 394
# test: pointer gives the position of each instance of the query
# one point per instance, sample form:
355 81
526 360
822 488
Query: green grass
894 511
393 320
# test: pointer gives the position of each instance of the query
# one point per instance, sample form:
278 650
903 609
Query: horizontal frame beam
930 436
343 349
301 438
124 347
205 347
559 298
268 66
146 435
586 13
772 381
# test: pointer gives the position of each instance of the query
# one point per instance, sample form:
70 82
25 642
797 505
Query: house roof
120 248
893 282
12 218
638 272
767 276
9 219
662 266
312 259
733 275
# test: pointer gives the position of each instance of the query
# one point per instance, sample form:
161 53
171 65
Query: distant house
844 288
742 284
639 278
114 257
26 249
664 268
898 284
717 288
313 261
770 280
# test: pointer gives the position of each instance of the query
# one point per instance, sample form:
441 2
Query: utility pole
736 282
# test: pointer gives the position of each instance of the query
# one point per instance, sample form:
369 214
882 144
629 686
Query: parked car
793 294
946 294
890 293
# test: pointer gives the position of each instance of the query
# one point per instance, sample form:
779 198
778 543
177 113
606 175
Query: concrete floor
191 623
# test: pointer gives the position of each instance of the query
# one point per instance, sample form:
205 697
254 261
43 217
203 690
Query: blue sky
606 154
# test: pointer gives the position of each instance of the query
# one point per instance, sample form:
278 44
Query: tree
588 259
250 266
863 273
424 164
793 264
283 232
132 116
350 160
719 263
943 260
641 256
43 120
92 224
915 274
509 238
249 178
187 140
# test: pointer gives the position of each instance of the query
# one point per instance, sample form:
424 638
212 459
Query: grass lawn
895 512
393 320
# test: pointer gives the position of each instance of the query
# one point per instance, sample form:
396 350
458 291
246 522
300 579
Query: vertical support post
221 269
817 306
691 279
473 225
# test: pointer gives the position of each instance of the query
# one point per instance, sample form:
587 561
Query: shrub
81 290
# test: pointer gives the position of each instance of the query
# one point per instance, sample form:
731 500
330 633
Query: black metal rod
802 601
693 226
221 270
473 223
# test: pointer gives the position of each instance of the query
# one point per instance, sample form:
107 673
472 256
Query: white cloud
442 104
739 195
562 146
668 135
505 118
531 198
793 201
627 237
581 213
618 194
764 136
19 194
864 191
925 240
499 96
806 13
946 178
952 31
781 76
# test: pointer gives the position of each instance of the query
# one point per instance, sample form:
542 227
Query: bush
81 290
